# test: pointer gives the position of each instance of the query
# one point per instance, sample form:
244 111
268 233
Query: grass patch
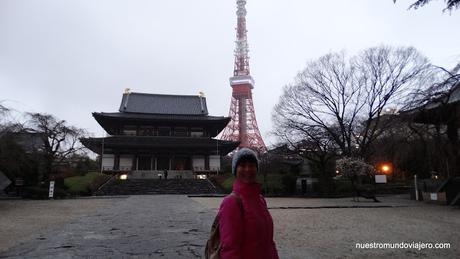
81 185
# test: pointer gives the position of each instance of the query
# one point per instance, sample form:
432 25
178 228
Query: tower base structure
243 124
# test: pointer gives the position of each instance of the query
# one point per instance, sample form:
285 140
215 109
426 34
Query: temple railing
161 174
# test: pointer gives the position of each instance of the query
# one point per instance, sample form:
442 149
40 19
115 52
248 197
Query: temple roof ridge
133 102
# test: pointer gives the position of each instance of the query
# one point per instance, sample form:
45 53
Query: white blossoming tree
356 169
353 168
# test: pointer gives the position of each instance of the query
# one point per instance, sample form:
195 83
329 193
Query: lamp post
386 169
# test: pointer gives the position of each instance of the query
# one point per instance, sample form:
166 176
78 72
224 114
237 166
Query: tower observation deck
243 124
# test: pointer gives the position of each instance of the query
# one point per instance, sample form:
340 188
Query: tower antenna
243 124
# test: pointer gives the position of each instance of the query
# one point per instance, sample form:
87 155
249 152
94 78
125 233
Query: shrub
59 183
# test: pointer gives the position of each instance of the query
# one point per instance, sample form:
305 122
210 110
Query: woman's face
246 171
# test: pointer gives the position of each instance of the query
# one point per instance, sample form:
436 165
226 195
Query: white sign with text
380 178
51 193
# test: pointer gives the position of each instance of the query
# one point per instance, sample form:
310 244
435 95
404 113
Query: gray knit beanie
244 153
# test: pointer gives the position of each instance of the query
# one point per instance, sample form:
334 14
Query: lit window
130 130
196 132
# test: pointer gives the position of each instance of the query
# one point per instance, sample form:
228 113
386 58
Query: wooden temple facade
160 136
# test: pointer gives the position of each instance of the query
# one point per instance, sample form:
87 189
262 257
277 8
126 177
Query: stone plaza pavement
176 226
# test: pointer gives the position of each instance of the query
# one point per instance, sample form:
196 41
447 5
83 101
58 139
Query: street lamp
385 168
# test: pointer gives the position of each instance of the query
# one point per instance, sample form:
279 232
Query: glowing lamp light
123 177
386 168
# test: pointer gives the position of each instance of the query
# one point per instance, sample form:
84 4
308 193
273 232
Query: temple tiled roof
138 143
111 121
440 109
163 104
163 117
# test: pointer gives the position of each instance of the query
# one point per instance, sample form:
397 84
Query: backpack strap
213 245
238 199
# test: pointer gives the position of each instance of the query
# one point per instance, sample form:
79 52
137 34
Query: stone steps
156 186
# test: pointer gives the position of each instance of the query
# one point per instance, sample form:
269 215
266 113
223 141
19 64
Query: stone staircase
156 186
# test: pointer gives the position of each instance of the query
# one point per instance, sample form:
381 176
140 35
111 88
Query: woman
245 225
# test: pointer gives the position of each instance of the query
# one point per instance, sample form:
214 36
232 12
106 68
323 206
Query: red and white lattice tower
243 124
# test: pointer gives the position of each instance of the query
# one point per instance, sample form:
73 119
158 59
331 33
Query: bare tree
3 112
439 92
3 109
450 4
8 124
60 140
344 98
387 76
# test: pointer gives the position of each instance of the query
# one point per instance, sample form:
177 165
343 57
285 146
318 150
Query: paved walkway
156 226
331 228
176 226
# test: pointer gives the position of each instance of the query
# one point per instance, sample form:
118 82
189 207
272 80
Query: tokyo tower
243 124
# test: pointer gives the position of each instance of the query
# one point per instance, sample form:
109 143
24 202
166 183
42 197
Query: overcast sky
71 58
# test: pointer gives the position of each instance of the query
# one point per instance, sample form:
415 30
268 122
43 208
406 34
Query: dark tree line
39 147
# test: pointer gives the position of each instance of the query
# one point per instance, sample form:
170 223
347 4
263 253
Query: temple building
160 136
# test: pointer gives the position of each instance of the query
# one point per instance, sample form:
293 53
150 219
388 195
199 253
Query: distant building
444 108
30 142
443 112
156 135
292 161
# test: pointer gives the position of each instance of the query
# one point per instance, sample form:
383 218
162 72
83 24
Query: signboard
4 181
380 178
433 196
51 193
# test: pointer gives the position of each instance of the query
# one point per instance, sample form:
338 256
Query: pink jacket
247 235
